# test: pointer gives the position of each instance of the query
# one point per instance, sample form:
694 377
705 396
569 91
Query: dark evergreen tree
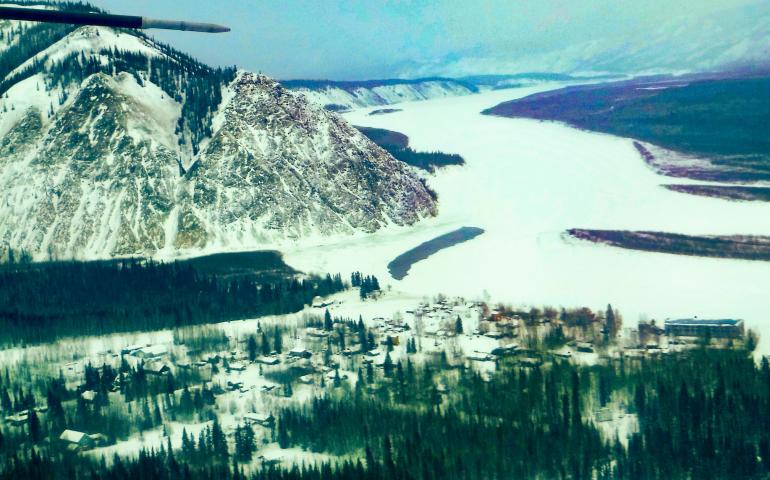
244 443
328 324
251 347
33 426
218 441
265 344
458 326
387 365
278 341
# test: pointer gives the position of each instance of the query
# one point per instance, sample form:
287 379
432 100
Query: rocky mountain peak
129 147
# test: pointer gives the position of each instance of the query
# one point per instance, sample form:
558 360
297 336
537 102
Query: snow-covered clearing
525 183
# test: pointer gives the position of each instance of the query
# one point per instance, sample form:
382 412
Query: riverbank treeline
41 302
397 144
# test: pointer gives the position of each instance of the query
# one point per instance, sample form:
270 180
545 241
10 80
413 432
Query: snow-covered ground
525 183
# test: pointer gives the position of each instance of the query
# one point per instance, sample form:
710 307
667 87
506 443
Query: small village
239 374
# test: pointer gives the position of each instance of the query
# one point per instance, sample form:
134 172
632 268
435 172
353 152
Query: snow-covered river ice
525 182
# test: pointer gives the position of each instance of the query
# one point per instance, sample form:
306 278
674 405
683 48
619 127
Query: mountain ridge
110 151
342 95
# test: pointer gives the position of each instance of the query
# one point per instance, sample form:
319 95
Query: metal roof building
694 327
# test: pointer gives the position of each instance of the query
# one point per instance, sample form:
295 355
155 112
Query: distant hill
351 86
343 95
340 96
498 82
717 125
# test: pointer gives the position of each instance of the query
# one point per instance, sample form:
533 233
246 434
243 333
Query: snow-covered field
525 183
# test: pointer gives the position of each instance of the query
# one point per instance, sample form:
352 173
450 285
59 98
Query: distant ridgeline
350 86
344 95
45 301
341 96
473 83
196 86
721 121
397 144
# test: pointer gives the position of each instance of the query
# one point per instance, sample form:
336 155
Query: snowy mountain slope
93 180
91 39
111 144
324 177
348 95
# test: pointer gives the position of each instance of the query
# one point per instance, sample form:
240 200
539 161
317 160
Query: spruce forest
698 412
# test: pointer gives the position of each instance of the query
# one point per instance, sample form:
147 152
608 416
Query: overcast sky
343 39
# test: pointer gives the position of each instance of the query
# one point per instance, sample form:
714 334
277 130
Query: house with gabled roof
75 440
263 419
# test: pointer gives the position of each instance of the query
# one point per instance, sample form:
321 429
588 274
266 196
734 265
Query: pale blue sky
377 39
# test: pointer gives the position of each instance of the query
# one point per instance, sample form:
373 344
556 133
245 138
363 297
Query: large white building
694 327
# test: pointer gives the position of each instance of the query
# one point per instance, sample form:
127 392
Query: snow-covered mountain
113 144
735 37
346 95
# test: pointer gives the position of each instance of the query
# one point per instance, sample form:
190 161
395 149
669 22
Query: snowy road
525 183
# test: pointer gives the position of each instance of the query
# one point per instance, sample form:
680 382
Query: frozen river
525 183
